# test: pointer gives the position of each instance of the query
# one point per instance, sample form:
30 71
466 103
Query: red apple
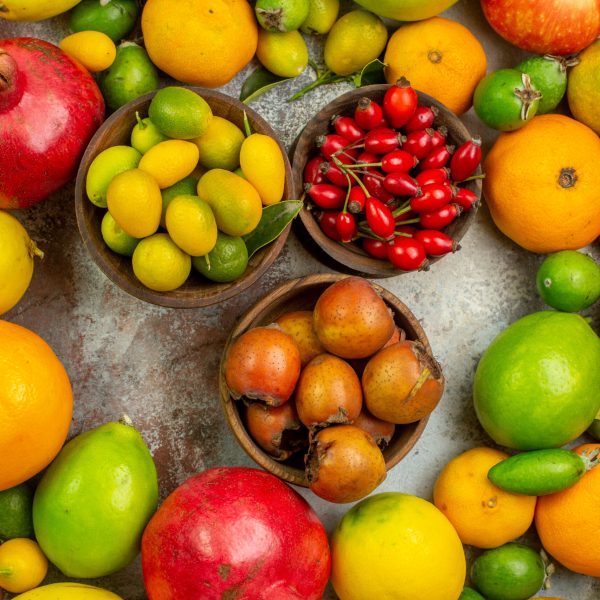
49 109
234 532
544 26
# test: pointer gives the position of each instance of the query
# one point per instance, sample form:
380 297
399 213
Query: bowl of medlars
182 197
328 382
391 180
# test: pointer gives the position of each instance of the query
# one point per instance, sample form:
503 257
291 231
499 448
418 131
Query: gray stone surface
160 365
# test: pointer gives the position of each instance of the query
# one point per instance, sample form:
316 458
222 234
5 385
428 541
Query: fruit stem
357 179
126 420
472 178
361 165
324 78
591 458
34 250
140 123
247 128
408 222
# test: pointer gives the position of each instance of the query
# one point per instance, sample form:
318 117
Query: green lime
549 76
470 594
115 18
145 134
104 167
569 281
15 512
160 264
284 54
322 14
510 572
536 386
186 186
281 15
115 238
594 429
180 113
220 145
226 262
191 224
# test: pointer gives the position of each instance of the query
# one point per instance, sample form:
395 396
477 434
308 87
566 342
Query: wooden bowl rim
131 285
252 318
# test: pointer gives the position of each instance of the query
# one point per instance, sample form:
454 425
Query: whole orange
568 522
483 515
542 183
36 404
203 42
439 57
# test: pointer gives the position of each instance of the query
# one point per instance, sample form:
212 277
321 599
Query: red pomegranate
49 109
234 532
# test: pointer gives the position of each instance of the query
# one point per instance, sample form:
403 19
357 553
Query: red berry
327 222
436 243
326 195
398 161
466 199
382 140
434 196
379 218
418 143
422 119
437 158
312 171
400 103
374 185
400 184
347 127
356 199
376 248
346 226
438 137
368 114
406 253
367 157
329 144
438 219
466 159
432 176
406 229
334 174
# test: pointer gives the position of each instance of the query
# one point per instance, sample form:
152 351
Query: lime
180 113
186 186
281 15
220 145
115 18
160 264
170 161
226 262
23 565
15 512
191 225
549 76
104 167
284 54
537 385
594 428
510 572
115 238
145 134
470 594
322 14
569 281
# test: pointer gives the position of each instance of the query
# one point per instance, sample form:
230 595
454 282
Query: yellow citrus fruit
483 515
170 161
191 225
204 42
439 57
263 166
322 14
542 184
36 404
396 546
23 565
284 54
135 202
68 591
160 264
583 87
34 10
16 261
186 186
220 145
93 49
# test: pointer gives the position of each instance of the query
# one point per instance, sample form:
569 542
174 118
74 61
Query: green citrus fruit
583 88
406 10
220 145
145 134
569 281
284 54
594 428
322 14
191 224
115 18
549 76
180 113
226 262
470 594
186 186
15 512
281 15
538 383
115 238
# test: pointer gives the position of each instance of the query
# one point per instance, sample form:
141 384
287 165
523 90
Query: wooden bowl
196 291
302 294
351 256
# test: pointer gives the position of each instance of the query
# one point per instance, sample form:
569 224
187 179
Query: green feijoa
131 75
506 99
187 186
281 15
541 472
510 572
226 262
115 18
470 594
145 134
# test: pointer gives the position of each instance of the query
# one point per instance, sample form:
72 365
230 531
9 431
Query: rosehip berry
379 218
436 243
327 222
401 184
356 199
438 137
347 128
312 171
331 143
466 159
334 174
368 114
376 248
437 158
406 253
345 225
407 230
418 143
434 196
398 161
432 176
326 195
438 219
466 199
382 140
374 185
422 119
400 103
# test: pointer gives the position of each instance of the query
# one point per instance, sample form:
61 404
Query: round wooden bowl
351 256
302 294
196 291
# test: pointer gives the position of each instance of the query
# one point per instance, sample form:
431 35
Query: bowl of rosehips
391 179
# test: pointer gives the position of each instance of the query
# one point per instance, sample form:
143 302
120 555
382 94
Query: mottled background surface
160 365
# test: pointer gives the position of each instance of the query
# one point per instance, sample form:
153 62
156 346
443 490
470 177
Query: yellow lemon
284 54
135 202
191 225
68 591
322 14
34 10
263 166
93 49
220 145
23 565
170 161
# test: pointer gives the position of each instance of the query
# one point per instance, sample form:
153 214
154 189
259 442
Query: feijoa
115 18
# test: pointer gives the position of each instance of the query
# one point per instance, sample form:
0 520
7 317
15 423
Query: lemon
355 40
322 14
93 49
191 225
186 186
16 261
226 262
115 238
281 15
583 87
104 167
220 145
145 134
68 591
235 202
34 10
263 166
135 203
284 54
23 565
160 264
180 113
170 161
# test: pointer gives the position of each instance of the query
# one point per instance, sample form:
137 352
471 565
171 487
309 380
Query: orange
36 404
204 42
439 57
568 522
483 515
542 184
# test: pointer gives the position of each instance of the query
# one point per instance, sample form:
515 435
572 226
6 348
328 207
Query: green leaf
275 218
259 82
371 73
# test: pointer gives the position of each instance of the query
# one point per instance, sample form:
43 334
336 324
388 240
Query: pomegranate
235 532
49 109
